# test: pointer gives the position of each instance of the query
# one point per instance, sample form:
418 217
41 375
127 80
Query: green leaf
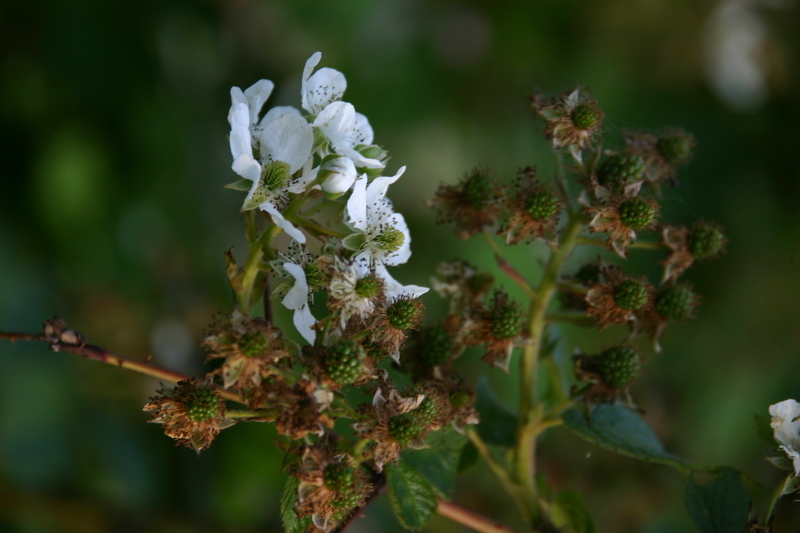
242 185
620 429
412 497
439 463
719 506
291 523
498 424
469 458
764 429
568 512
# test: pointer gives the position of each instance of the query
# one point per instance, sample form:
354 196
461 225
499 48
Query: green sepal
569 514
782 462
413 499
440 462
620 429
291 523
719 506
791 485
243 185
498 423
354 241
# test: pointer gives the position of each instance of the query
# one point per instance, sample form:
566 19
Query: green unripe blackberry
253 344
621 169
346 500
676 303
505 319
426 412
344 362
435 346
586 116
404 428
460 398
542 204
705 240
203 405
675 147
339 477
478 189
618 366
403 314
631 294
368 287
637 213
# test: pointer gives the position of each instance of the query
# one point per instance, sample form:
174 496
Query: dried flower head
354 293
610 373
251 347
574 120
499 327
705 240
331 486
662 152
619 298
192 413
621 218
300 408
533 209
473 204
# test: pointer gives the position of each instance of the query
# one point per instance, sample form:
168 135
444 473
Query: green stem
577 319
494 465
508 268
639 245
260 413
531 413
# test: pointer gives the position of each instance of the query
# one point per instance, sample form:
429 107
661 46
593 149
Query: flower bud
336 176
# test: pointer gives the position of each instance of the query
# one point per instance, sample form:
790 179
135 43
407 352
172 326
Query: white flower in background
325 86
787 430
346 130
284 140
381 236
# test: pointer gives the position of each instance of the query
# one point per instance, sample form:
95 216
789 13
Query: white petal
337 122
288 138
247 167
297 296
257 95
240 137
359 160
402 255
394 288
363 131
377 189
357 205
325 86
278 111
310 64
300 184
304 322
342 175
786 432
284 224
237 96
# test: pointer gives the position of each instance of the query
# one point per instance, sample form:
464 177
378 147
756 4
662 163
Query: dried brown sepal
392 323
192 413
472 205
677 239
573 120
300 408
609 218
498 326
601 300
532 209
587 370
659 169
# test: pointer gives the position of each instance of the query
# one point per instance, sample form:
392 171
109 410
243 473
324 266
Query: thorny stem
512 272
472 520
531 413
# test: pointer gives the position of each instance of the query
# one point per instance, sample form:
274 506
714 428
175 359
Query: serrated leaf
498 424
291 523
242 185
620 429
412 497
765 429
719 506
569 513
782 462
439 463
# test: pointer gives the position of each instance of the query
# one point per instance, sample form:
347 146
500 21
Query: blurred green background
113 142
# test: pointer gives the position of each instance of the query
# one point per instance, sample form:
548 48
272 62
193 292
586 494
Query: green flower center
203 405
586 116
368 287
315 278
275 176
253 344
389 240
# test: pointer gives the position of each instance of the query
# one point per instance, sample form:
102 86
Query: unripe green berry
339 477
637 213
253 344
676 303
586 116
618 366
368 287
478 189
705 241
435 346
676 148
346 500
403 314
621 169
426 412
542 204
505 321
460 398
631 295
203 405
404 428
344 362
